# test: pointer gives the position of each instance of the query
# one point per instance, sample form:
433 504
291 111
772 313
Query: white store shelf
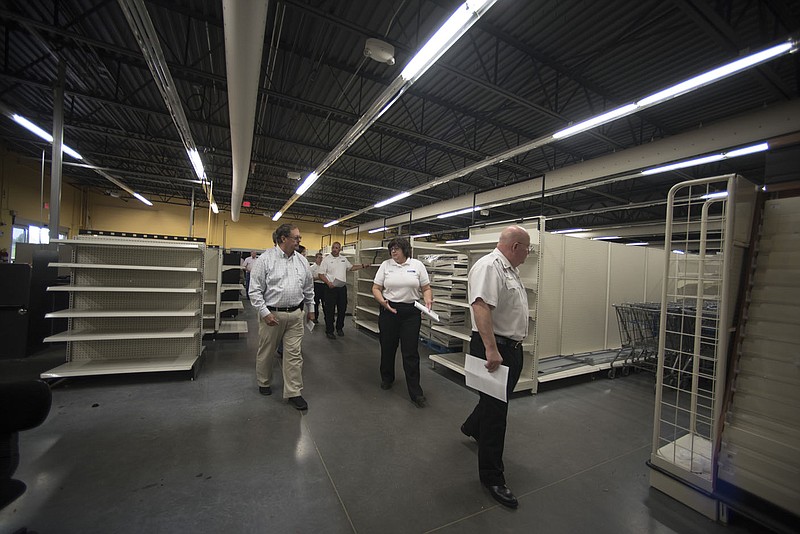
231 287
103 289
209 281
232 327
111 266
457 332
110 367
228 305
365 309
71 313
451 302
365 294
231 267
369 325
77 335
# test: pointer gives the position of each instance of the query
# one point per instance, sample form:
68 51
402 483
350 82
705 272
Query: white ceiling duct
245 24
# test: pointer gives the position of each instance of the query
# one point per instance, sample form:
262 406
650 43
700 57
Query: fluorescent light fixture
214 207
761 147
420 235
596 121
715 74
331 223
678 252
712 196
197 163
764 188
605 238
637 244
752 149
376 230
444 37
141 198
278 215
395 198
570 231
307 183
458 212
457 241
28 125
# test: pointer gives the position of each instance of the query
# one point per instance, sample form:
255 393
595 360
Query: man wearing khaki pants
281 290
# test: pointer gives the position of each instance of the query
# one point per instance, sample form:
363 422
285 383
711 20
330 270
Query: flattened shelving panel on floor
136 305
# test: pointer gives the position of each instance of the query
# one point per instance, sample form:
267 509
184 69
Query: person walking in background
280 289
319 285
333 271
247 265
499 325
399 283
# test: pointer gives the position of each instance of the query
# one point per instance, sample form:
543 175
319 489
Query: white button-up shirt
497 283
335 267
314 268
402 282
280 281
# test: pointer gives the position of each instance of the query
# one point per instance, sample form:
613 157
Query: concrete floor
162 453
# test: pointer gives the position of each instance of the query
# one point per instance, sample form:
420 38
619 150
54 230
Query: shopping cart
638 332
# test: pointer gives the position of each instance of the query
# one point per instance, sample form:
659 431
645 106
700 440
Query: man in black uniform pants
499 324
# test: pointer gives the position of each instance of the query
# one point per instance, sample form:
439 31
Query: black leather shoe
503 495
420 401
340 333
386 385
265 390
330 335
298 402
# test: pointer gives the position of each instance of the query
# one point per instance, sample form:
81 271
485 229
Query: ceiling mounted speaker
379 51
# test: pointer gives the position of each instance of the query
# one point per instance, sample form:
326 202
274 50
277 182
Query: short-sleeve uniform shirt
402 282
497 283
334 267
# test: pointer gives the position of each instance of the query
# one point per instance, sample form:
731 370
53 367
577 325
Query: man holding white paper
333 271
499 324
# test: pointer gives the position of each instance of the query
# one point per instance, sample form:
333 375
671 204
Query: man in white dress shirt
281 289
499 307
333 271
247 265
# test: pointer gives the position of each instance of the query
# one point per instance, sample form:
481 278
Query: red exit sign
246 204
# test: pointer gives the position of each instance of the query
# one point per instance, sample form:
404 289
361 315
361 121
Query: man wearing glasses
282 291
499 307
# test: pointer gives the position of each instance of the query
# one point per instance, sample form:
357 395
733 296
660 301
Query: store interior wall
20 193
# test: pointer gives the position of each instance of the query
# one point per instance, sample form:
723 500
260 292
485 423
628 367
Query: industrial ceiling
526 69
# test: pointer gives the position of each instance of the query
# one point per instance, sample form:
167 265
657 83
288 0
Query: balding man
499 325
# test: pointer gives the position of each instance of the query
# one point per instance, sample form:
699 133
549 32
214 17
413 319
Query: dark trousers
487 422
402 328
319 296
335 307
247 285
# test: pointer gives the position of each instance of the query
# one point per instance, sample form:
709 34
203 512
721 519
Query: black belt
290 309
505 341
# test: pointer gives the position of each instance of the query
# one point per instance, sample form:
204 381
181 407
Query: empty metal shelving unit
136 306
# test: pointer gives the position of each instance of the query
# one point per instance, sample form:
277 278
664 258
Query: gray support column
58 140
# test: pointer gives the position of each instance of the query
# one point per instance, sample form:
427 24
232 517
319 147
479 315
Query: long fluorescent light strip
459 22
760 147
277 216
376 230
606 238
420 235
637 244
570 231
458 212
141 198
623 111
395 198
28 125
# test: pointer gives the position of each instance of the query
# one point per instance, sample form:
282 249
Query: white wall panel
552 282
585 283
628 270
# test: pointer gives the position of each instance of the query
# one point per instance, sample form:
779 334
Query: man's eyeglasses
295 238
530 248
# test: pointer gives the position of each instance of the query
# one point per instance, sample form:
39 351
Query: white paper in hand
338 282
309 324
479 377
424 309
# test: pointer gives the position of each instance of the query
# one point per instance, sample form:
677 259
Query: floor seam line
330 478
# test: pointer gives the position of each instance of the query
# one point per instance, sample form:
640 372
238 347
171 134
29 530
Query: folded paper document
338 282
430 313
479 377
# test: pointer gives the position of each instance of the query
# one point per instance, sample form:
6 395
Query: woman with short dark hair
399 282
